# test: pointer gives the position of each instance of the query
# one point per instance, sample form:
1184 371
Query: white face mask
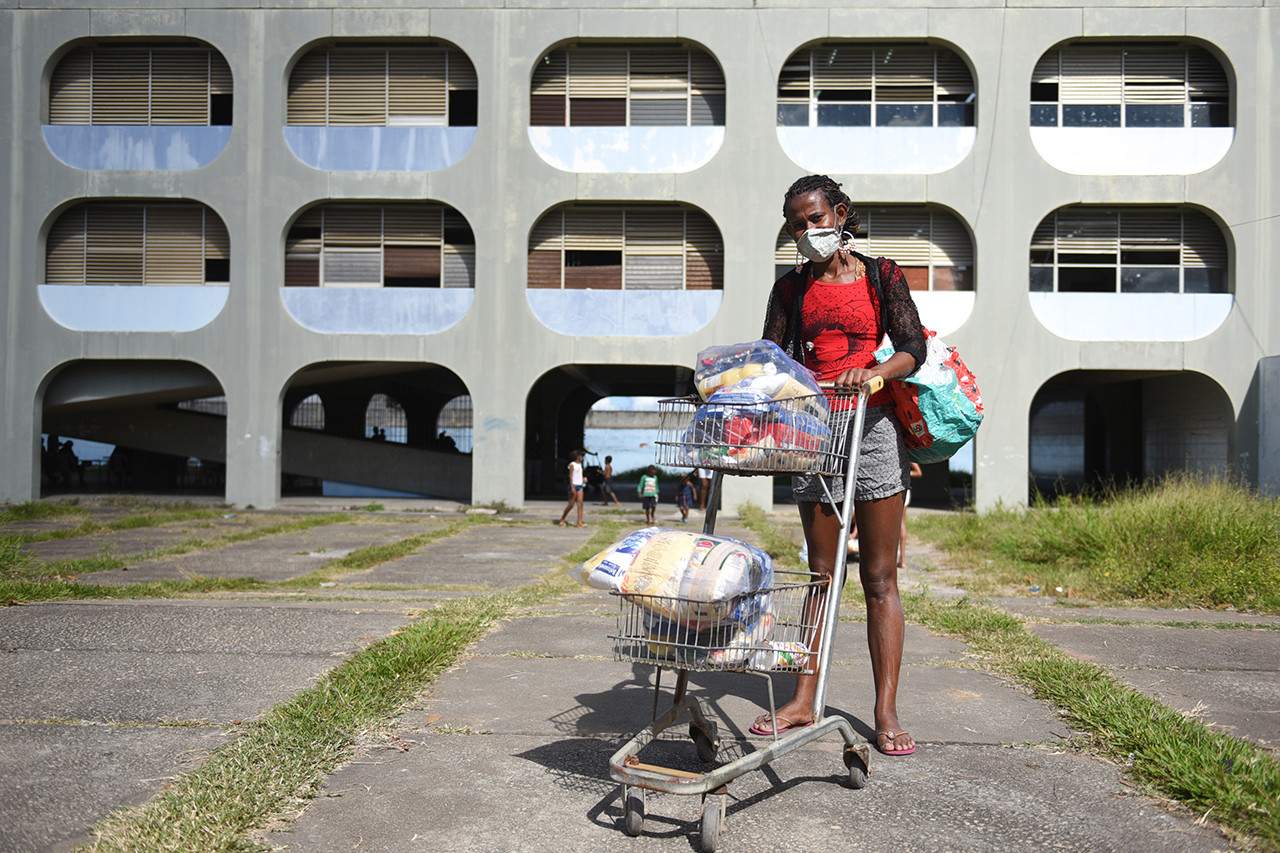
819 244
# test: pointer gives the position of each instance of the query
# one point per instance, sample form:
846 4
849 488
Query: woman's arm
905 329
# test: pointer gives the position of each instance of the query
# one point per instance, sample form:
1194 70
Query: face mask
819 244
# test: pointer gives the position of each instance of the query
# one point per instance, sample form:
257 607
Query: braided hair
831 192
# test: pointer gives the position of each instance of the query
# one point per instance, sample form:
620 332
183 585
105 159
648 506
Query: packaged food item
757 367
780 655
690 578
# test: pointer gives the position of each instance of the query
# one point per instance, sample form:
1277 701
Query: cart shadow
602 722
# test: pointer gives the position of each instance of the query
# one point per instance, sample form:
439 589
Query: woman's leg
573 497
879 522
822 534
580 498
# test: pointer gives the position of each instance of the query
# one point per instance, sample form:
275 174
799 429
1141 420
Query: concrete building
263 234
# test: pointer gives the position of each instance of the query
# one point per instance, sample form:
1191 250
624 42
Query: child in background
608 484
576 486
687 494
647 489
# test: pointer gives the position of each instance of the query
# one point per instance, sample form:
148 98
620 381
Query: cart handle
871 386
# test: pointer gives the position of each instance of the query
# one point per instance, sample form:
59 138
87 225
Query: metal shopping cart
805 435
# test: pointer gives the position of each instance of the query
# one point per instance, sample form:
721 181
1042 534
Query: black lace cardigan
897 310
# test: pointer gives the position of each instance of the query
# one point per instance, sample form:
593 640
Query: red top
840 329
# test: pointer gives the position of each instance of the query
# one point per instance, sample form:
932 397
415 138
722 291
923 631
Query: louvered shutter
1206 81
593 229
114 243
841 67
459 266
706 90
65 248
654 255
951 244
416 85
784 250
952 77
461 73
302 253
352 225
659 86
70 89
121 86
546 262
597 84
411 225
1091 76
219 74
1150 229
357 87
548 92
179 87
308 98
1088 233
597 73
903 74
704 253
174 244
1202 242
1046 70
1154 76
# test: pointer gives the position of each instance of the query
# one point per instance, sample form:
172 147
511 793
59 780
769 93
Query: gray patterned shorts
883 467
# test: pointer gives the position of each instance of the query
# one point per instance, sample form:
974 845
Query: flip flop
756 729
892 736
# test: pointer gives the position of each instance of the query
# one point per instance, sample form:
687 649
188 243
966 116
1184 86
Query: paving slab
1228 678
531 795
273 558
485 556
126 543
1068 610
56 779
171 661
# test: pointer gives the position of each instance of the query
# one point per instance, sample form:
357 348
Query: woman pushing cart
827 316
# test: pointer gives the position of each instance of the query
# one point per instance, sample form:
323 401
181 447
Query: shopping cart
742 439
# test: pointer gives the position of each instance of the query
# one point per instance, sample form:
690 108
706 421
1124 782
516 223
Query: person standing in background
647 489
576 486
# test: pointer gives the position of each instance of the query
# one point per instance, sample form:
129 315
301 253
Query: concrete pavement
102 702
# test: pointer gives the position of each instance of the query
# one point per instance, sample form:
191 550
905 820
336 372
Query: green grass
23 578
39 511
1235 782
1181 542
368 557
278 763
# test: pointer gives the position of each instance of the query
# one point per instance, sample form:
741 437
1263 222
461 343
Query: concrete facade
254 348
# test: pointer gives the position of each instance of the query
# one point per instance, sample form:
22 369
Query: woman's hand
899 365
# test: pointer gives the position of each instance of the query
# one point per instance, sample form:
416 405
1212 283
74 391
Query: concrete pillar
254 424
20 451
497 453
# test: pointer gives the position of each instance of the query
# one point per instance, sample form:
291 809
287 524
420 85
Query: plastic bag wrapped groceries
759 367
726 645
738 430
689 578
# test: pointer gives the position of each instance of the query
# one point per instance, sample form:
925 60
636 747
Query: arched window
850 84
138 243
627 86
308 414
383 86
599 247
380 245
170 84
1128 250
454 425
385 420
1129 85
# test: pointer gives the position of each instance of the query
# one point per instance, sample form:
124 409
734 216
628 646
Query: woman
827 316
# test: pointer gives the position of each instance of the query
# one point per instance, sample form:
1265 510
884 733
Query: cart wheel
712 821
707 742
633 810
858 771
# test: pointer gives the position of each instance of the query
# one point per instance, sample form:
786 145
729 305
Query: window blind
127 243
138 85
